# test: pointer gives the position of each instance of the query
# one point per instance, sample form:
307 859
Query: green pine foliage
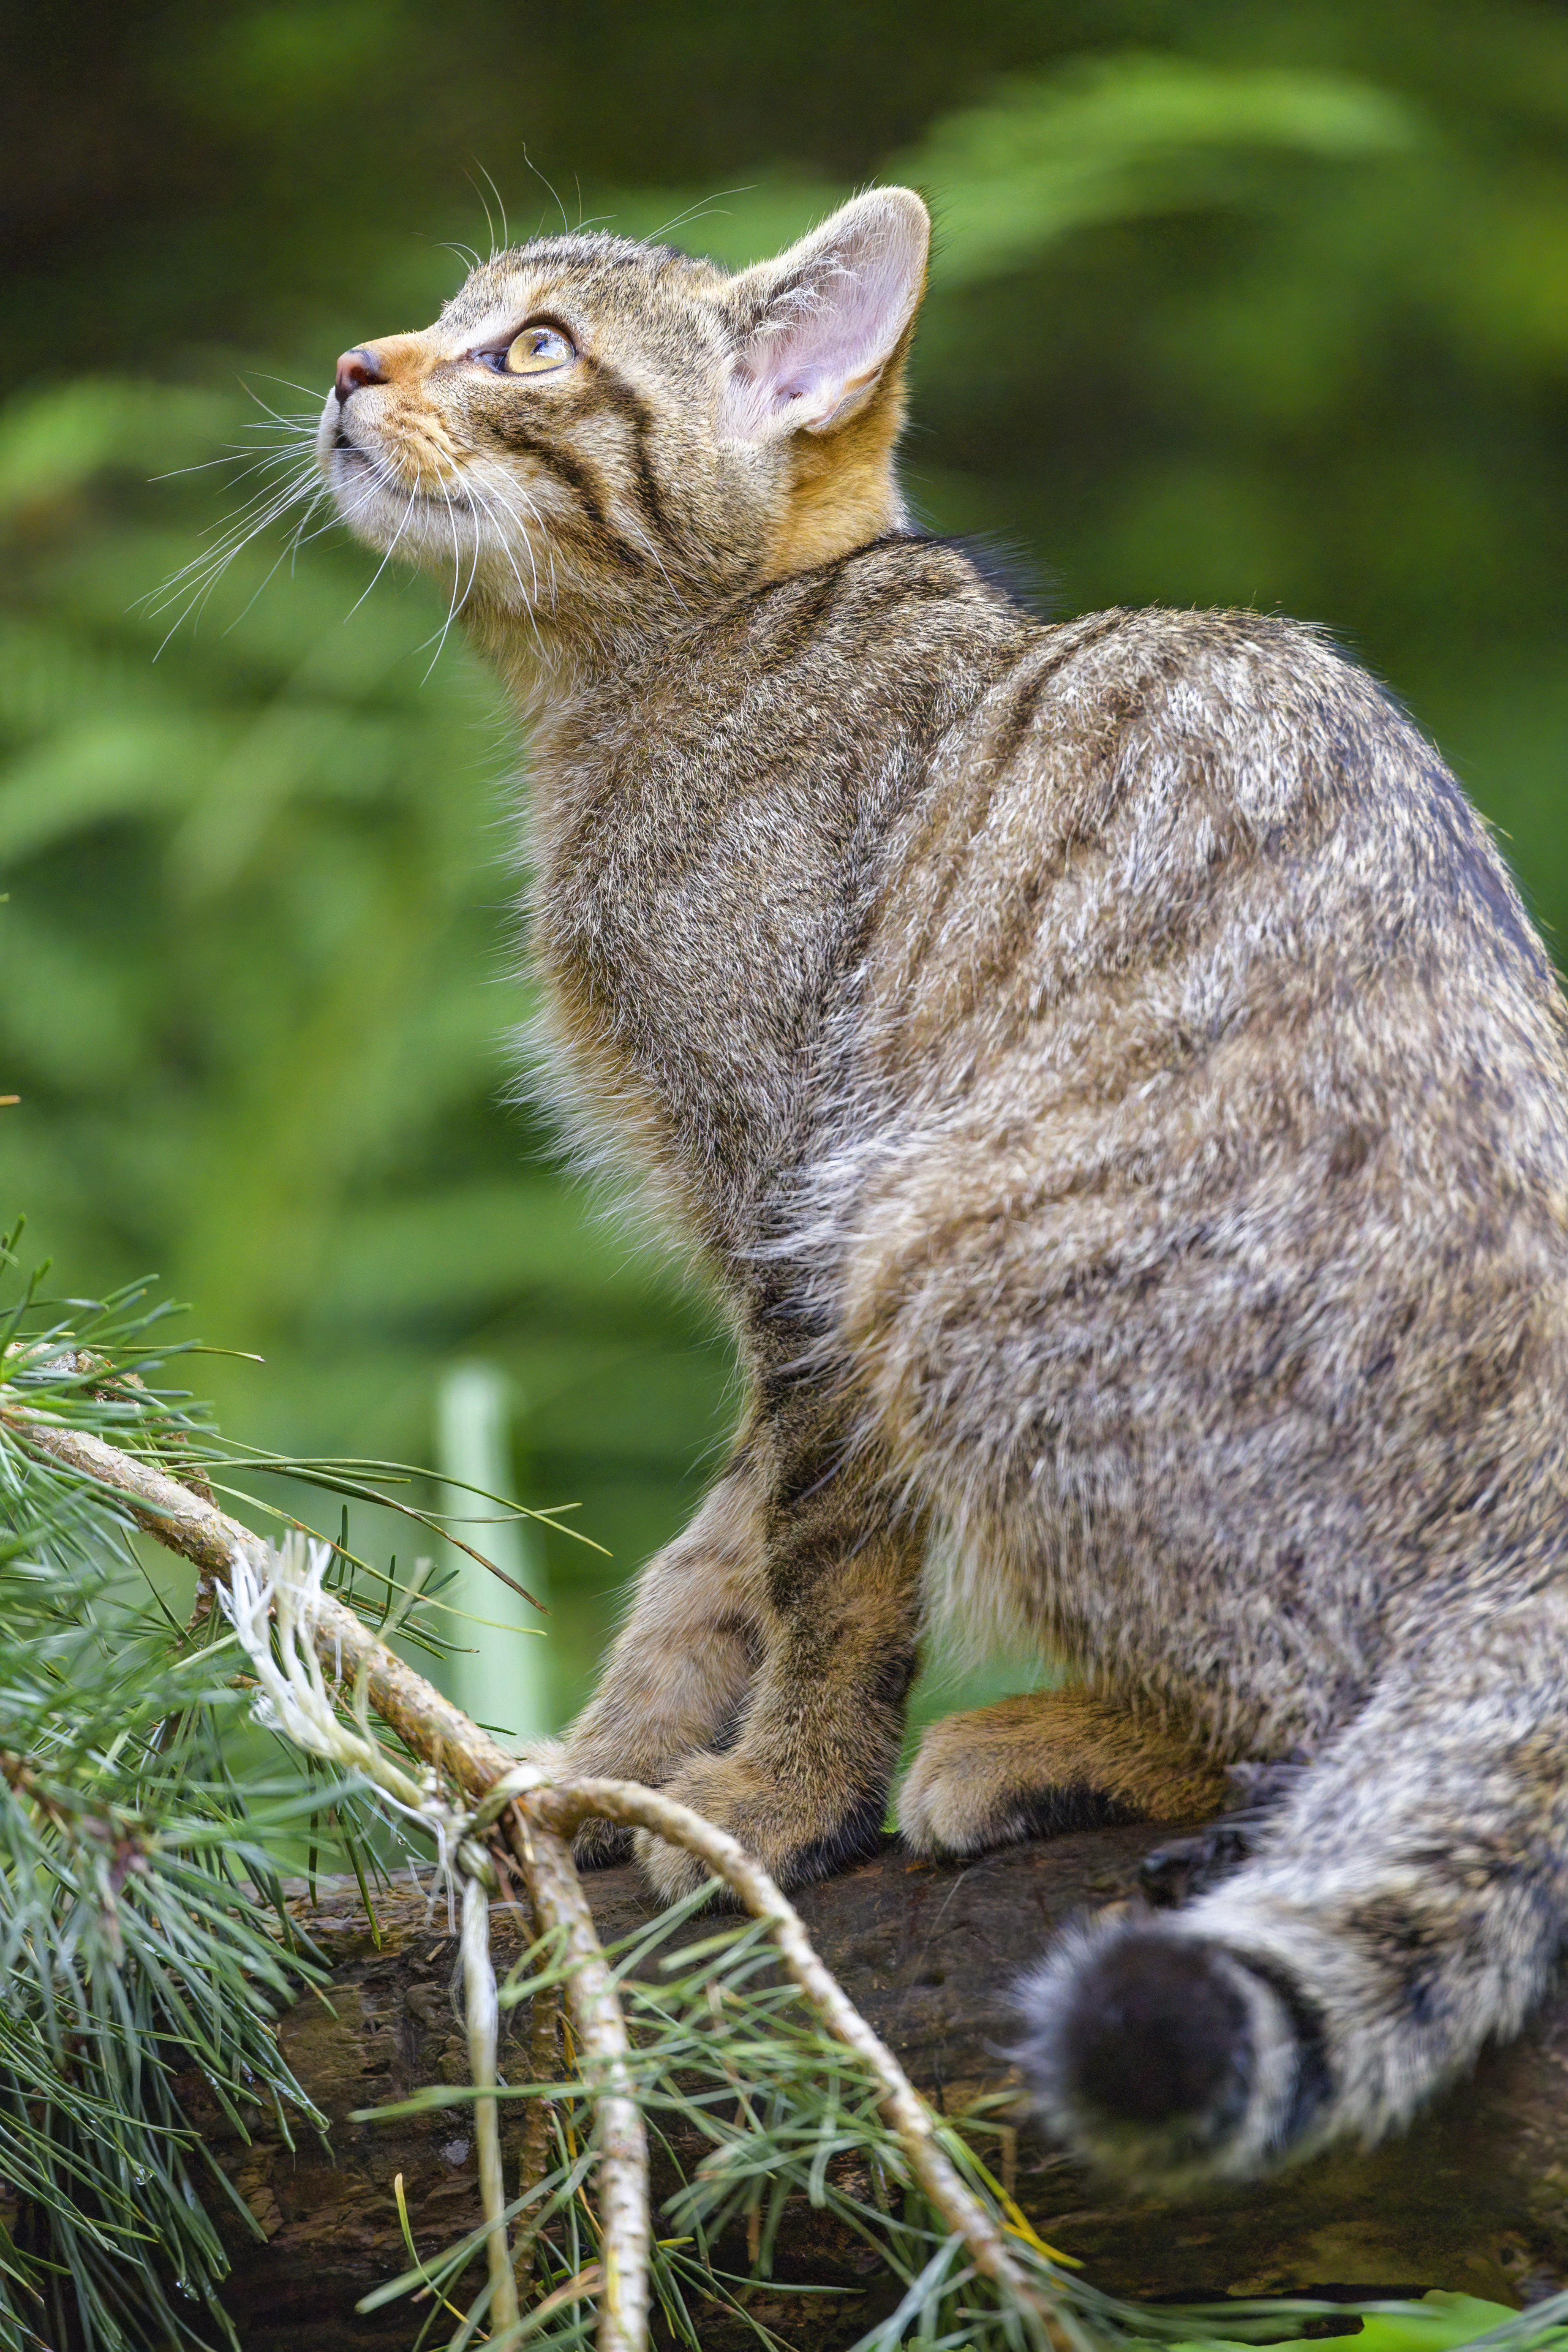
134 1945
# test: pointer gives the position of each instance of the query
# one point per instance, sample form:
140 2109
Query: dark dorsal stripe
1021 713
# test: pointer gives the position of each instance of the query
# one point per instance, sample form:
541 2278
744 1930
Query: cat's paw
796 1834
1187 1867
965 1793
598 1845
1045 1763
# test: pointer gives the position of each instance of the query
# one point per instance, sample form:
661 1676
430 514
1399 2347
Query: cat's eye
537 351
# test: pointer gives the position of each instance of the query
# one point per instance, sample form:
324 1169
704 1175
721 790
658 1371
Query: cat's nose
356 369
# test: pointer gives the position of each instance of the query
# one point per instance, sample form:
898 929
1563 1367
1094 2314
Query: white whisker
538 174
529 603
306 420
255 460
484 200
216 560
237 533
456 580
658 559
202 587
695 212
381 567
498 490
500 201
312 391
285 553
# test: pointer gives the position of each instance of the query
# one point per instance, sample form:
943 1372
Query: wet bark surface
1475 2198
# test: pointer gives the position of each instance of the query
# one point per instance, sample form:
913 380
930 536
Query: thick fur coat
1124 1104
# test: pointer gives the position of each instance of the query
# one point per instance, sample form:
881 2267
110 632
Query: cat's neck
708 831
841 496
547 662
547 657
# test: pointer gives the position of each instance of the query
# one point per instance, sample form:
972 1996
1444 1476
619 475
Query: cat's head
596 434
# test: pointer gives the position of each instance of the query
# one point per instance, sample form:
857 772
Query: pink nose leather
356 369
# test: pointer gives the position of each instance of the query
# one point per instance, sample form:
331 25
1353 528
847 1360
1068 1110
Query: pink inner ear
804 382
838 310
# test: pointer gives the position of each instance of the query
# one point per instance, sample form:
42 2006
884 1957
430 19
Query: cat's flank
1116 1087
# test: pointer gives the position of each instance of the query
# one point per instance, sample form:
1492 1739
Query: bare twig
546 1859
566 1804
481 2020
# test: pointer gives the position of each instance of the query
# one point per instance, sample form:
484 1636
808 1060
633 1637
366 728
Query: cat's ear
818 326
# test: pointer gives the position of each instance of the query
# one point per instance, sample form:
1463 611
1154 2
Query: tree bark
1475 2198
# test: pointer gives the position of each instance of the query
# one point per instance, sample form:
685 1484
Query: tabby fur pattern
1123 1104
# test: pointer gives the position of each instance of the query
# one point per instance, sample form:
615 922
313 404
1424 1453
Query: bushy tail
1407 1902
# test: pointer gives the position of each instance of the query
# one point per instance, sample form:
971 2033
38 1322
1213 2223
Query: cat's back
1207 1133
1168 846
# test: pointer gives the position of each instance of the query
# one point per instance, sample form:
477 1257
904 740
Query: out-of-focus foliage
1262 305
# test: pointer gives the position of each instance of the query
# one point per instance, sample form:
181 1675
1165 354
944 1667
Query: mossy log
1475 2198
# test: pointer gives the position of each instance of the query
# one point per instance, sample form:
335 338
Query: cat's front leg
805 1786
677 1676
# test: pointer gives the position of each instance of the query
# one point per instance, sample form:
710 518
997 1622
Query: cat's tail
1407 1903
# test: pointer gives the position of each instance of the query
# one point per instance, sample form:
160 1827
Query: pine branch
567 1803
534 1820
539 1825
431 1728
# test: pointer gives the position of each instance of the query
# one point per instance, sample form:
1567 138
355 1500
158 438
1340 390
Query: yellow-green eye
538 350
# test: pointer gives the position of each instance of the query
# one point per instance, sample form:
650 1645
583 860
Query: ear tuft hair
818 326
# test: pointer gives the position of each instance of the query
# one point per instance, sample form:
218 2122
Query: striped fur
1124 1105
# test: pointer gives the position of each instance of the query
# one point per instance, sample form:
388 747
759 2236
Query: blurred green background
1249 304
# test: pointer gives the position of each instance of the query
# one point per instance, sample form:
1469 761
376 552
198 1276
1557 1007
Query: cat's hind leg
1046 1763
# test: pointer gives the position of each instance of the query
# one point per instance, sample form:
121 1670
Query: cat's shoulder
908 589
1232 658
899 583
1257 698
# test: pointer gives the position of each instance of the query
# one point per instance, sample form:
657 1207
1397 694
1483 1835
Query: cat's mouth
359 461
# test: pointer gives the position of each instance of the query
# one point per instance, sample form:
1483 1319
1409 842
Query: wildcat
1111 1077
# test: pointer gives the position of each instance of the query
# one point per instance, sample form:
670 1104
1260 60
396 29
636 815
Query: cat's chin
397 516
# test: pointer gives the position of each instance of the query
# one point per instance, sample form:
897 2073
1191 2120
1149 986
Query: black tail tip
1157 2034
1166 2059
